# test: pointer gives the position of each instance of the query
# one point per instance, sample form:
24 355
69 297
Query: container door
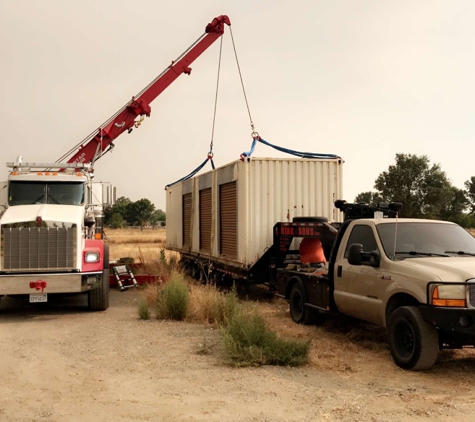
228 220
205 220
186 206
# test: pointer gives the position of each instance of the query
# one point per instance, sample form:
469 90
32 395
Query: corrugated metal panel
186 220
266 191
205 220
278 190
228 220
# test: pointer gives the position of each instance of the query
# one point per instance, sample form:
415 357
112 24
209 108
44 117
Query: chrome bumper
20 284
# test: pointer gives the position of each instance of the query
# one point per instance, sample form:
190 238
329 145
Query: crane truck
51 223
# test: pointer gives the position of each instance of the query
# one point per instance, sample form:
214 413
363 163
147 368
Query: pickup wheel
300 313
98 298
414 343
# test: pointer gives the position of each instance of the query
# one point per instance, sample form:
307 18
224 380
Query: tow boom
100 141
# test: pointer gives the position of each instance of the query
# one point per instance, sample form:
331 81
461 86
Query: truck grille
38 248
471 294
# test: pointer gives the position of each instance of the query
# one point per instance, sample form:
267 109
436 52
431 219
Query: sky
363 79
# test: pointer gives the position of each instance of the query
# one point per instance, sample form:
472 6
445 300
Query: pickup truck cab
415 277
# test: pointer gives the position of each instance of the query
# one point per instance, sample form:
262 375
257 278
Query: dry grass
124 236
143 246
340 344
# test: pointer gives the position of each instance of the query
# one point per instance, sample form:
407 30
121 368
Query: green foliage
139 212
173 300
157 217
248 341
470 194
368 198
116 221
118 208
143 308
163 257
424 190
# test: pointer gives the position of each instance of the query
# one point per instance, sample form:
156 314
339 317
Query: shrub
144 310
248 341
173 299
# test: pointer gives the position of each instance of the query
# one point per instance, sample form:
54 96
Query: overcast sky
364 79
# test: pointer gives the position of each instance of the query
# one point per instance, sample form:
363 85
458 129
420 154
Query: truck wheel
414 343
300 313
98 298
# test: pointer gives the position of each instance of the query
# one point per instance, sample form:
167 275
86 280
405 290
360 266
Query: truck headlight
90 257
450 295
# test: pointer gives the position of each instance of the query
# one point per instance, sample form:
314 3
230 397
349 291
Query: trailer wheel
300 313
98 298
414 343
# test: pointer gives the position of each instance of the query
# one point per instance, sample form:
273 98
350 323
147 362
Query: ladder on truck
124 277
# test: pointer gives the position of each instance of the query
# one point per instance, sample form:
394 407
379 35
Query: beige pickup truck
415 277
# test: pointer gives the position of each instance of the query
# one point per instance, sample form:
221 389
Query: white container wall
247 199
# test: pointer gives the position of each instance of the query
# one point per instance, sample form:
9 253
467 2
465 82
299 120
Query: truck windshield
425 239
61 193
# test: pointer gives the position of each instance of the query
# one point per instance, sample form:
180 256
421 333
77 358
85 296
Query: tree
157 217
368 198
116 221
424 189
139 212
470 194
119 207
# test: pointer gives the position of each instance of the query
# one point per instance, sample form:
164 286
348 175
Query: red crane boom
100 141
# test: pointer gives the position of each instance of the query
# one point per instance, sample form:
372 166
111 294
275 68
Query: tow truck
51 227
415 277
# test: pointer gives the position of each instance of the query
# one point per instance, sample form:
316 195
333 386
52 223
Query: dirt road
61 363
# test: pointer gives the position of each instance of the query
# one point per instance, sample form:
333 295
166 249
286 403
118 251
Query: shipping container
226 216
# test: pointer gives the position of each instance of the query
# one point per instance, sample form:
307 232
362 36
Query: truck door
356 286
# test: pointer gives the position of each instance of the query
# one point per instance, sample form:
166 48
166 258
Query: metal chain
216 99
254 133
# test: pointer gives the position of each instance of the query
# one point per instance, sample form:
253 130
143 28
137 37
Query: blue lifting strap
286 150
196 170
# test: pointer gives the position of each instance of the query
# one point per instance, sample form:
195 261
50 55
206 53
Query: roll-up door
228 220
186 220
205 220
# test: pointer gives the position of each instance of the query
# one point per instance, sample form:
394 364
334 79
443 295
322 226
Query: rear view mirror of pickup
356 256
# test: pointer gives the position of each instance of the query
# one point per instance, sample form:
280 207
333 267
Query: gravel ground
62 363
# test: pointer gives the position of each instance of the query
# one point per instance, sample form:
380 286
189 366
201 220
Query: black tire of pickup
300 313
414 344
98 298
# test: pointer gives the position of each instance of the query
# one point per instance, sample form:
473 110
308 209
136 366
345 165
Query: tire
414 343
300 313
310 220
98 298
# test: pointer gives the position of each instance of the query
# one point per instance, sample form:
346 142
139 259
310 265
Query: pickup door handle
339 270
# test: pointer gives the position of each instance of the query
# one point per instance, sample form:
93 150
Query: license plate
40 297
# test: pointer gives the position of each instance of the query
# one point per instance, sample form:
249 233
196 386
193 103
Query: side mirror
372 258
355 254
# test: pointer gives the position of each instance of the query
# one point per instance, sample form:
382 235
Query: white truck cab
51 234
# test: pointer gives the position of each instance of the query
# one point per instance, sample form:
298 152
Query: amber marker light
98 236
449 296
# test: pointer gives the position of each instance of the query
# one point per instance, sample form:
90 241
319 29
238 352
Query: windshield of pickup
425 239
61 193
